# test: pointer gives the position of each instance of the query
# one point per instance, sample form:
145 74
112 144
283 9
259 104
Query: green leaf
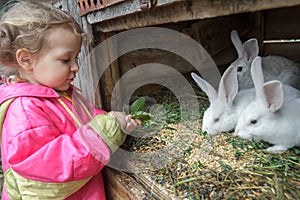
141 115
137 105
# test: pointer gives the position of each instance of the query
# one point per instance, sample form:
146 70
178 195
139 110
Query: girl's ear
24 58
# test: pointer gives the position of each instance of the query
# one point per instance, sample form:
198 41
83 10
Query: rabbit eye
216 120
239 69
253 121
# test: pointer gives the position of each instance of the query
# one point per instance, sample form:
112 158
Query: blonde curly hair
26 24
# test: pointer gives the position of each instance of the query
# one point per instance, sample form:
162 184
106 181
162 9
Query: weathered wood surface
121 186
282 33
128 14
121 9
111 75
214 35
288 50
85 77
282 23
209 22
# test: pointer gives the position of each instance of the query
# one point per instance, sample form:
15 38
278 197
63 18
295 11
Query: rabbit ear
237 43
251 49
273 94
228 87
205 87
257 75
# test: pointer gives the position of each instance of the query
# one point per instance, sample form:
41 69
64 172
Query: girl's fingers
139 122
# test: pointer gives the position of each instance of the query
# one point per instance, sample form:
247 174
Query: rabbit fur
274 67
273 116
225 105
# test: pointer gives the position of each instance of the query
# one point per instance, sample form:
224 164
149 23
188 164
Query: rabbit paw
277 149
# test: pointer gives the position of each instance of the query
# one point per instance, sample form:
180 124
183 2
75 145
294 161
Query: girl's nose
75 67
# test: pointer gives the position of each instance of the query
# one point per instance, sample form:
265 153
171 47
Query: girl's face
57 65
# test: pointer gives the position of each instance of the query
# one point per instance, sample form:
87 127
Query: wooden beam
282 23
122 9
128 15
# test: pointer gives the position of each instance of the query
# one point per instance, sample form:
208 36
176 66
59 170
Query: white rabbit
274 116
274 67
226 105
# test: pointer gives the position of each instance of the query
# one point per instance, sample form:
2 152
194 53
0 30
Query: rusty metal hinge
147 4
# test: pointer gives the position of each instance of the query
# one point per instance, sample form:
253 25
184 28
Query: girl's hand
126 122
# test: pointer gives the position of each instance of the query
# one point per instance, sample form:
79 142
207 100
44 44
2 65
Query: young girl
54 145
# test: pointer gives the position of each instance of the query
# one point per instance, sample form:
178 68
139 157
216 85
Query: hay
222 167
184 163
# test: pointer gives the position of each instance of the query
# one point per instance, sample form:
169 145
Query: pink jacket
41 142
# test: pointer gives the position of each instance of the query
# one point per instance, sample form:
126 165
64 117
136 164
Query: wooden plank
158 191
282 23
281 31
288 50
89 6
87 46
139 57
84 79
214 34
121 9
121 186
111 75
179 11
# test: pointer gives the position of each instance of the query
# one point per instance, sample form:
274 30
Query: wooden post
111 75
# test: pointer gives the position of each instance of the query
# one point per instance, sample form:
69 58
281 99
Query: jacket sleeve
109 130
41 143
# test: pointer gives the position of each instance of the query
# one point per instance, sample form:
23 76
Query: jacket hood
8 91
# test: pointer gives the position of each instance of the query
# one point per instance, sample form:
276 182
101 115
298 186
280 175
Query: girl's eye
66 60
